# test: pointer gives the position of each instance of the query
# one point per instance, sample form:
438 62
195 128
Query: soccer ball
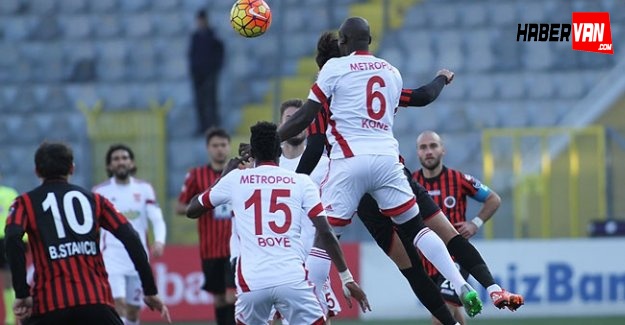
250 18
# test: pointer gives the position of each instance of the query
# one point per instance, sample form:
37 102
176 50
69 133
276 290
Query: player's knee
398 254
458 314
231 297
220 300
132 313
120 307
441 226
435 321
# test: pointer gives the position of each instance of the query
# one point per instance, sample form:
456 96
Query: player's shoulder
101 186
142 183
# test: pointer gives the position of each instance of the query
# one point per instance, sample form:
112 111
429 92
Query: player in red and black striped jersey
214 227
63 225
383 230
449 188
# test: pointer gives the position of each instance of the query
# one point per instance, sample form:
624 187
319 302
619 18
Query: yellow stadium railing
558 178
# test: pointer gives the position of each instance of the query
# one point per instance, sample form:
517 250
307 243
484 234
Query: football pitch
507 321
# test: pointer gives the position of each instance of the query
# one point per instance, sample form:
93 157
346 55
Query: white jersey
365 91
269 205
137 202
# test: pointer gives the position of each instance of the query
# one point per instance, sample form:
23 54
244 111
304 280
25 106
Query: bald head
354 35
430 150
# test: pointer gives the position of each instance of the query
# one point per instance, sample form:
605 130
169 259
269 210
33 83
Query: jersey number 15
274 206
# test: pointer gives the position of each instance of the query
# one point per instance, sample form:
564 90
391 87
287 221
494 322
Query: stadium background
541 124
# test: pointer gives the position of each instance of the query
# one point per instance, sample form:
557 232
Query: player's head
287 109
354 35
201 18
120 161
265 142
218 145
327 48
54 160
430 149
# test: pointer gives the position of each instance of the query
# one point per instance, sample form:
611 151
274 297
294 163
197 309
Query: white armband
478 222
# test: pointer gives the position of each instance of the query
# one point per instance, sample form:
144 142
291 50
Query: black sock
225 315
428 293
470 259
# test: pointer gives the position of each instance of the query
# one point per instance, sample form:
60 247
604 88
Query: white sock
493 288
436 252
318 265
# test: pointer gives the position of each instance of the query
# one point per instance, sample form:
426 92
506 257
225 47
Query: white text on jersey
72 249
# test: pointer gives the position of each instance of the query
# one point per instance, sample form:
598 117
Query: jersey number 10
274 206
50 203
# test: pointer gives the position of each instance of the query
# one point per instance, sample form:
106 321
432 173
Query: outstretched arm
300 120
426 94
310 158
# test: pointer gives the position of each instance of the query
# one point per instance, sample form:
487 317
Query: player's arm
313 152
300 120
15 249
189 189
426 94
155 215
218 194
481 193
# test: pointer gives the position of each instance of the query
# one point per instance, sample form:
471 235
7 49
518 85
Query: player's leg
118 289
465 253
93 315
396 200
405 257
254 307
298 304
134 298
216 271
8 295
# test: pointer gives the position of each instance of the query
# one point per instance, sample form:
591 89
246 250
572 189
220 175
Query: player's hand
466 229
23 308
352 289
448 75
245 152
155 303
158 249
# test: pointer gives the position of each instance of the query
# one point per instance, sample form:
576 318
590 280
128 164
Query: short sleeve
326 81
110 219
472 187
311 201
320 124
404 99
219 193
189 188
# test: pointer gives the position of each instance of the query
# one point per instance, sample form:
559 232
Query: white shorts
128 287
296 303
381 176
329 303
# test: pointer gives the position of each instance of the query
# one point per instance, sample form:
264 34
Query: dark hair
216 132
54 160
109 157
327 48
265 141
295 102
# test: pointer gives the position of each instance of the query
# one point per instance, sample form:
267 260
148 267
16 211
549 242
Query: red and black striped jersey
63 223
214 232
449 190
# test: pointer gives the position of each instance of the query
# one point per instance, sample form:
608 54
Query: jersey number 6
375 94
274 206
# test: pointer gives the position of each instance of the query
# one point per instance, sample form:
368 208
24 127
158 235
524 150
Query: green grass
526 321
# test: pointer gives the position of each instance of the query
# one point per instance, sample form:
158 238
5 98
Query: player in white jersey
364 158
270 204
136 200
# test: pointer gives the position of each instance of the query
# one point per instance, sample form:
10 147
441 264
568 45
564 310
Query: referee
449 188
7 195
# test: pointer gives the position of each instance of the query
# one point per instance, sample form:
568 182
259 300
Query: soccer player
214 228
63 224
364 153
269 205
136 200
449 188
7 195
382 229
316 257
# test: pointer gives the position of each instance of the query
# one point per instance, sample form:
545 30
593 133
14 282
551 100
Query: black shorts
3 256
79 315
382 227
218 275
448 293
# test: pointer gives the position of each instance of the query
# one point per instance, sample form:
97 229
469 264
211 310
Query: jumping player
449 188
136 200
269 210
63 225
364 153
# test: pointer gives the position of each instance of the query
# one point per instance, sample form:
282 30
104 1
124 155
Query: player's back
63 225
364 91
268 204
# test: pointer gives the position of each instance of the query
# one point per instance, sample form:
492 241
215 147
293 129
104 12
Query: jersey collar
360 52
266 163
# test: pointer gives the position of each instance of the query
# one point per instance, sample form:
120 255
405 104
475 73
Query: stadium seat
478 86
512 114
173 69
56 99
104 6
108 26
481 114
537 56
472 14
479 54
46 29
116 97
531 11
76 27
542 115
138 26
416 17
9 7
82 93
295 19
539 85
17 28
25 100
72 6
168 24
194 5
503 13
10 55
441 15
133 5
510 86
111 69
178 92
459 89
568 85
165 5
143 62
448 51
42 7
453 117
